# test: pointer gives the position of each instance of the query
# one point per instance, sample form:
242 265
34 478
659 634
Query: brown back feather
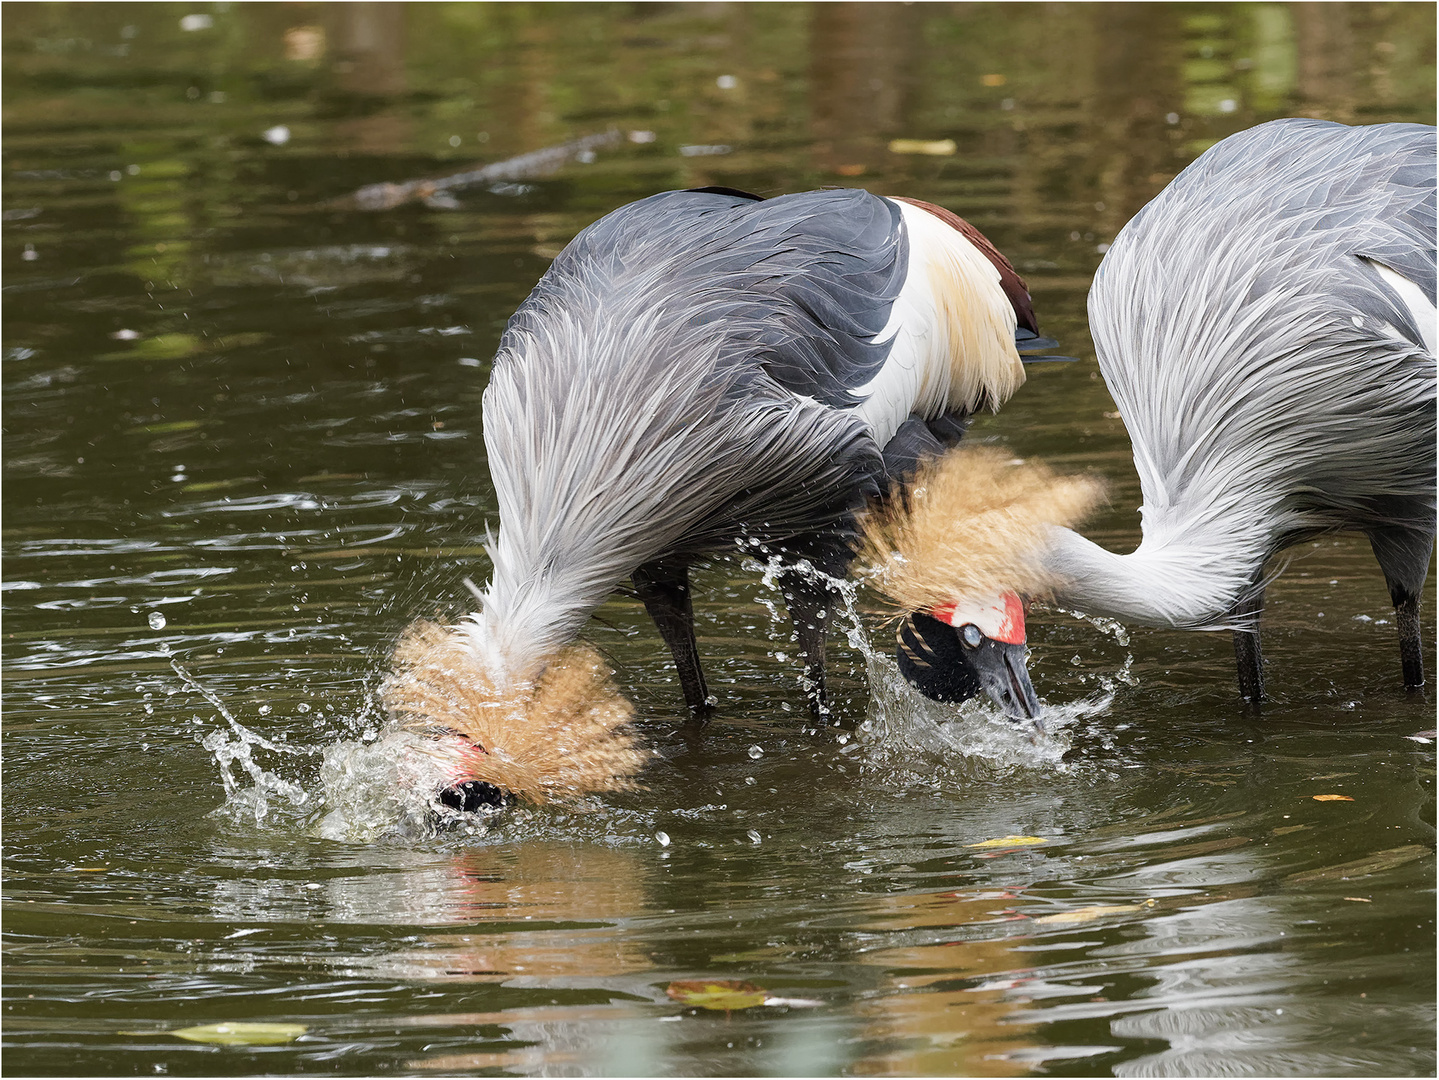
1009 280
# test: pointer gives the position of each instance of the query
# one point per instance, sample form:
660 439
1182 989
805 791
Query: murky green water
241 433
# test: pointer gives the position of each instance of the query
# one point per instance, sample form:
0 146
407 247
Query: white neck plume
516 631
1190 582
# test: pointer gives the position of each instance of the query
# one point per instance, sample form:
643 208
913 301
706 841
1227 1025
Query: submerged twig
536 163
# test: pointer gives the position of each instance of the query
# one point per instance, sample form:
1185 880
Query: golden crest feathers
970 524
569 733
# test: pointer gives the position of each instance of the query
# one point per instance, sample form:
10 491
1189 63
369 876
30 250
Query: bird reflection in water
543 918
948 1006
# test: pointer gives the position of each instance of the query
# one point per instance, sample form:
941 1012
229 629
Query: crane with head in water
697 370
1266 326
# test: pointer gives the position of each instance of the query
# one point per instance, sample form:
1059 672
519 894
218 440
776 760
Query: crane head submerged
563 734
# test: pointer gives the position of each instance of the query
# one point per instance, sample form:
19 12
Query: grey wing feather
669 387
799 286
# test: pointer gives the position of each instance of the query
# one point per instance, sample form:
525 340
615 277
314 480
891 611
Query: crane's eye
971 636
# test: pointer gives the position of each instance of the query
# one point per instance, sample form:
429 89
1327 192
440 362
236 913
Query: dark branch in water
435 192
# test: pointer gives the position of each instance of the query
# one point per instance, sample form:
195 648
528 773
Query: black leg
810 604
1411 648
1247 653
1250 660
665 590
1403 555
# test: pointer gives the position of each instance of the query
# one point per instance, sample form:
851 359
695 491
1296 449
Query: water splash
384 785
389 788
1120 633
907 730
257 801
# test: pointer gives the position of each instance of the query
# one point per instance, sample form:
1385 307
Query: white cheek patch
999 618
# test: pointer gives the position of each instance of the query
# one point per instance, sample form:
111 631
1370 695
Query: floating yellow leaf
1096 911
934 147
1332 798
167 428
237 1034
167 347
722 994
1010 841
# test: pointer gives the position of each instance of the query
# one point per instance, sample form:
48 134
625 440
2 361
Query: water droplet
663 839
302 707
264 710
754 836
156 621
756 751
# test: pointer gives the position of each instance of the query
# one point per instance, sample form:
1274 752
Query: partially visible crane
1266 326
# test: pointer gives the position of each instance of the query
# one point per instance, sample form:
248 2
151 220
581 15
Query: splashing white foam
386 787
387 784
389 788
269 792
250 802
907 730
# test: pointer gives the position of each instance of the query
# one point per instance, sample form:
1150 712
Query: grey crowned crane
1266 326
699 369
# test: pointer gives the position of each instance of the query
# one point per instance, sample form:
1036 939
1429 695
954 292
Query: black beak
474 796
1004 677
